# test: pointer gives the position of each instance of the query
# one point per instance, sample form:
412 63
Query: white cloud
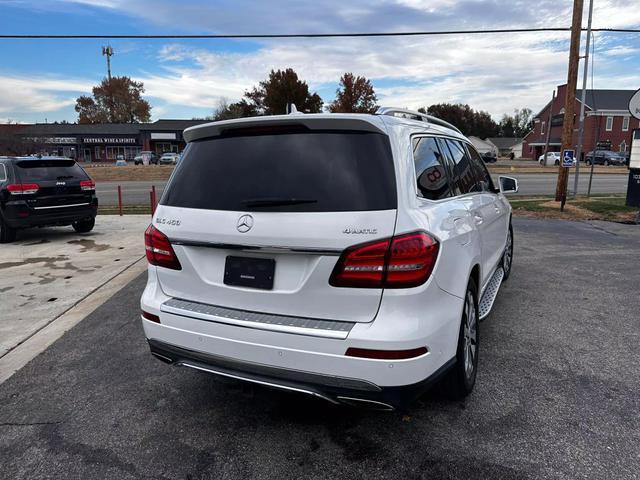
496 73
29 94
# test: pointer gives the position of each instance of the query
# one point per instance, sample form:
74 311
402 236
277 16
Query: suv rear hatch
58 183
259 216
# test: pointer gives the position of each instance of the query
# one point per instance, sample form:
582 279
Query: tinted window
463 173
431 176
3 173
482 172
286 171
39 170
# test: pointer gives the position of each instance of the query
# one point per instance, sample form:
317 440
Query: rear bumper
334 389
19 215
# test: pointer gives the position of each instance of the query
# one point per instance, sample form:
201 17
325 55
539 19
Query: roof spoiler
311 121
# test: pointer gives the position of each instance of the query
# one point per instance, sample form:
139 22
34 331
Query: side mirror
508 184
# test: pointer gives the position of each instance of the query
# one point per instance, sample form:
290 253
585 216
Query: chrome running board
490 293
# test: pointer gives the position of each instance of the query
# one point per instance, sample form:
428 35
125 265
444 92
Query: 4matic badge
360 231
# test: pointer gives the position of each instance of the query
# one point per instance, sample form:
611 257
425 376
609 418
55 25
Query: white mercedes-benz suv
345 256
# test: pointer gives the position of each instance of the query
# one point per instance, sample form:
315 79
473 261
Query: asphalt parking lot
557 392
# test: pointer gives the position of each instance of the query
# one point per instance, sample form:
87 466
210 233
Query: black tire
588 162
606 163
461 379
84 226
507 256
557 163
7 234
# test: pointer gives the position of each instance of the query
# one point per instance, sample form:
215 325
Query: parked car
331 260
120 161
553 158
489 157
605 157
169 158
150 158
44 191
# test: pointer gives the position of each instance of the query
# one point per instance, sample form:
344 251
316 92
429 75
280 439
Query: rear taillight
23 188
88 185
159 250
400 262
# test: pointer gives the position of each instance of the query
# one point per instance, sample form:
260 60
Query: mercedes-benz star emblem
245 222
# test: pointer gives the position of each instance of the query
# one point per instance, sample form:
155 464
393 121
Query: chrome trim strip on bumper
259 382
62 206
256 248
262 321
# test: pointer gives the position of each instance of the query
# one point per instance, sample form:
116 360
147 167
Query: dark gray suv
605 157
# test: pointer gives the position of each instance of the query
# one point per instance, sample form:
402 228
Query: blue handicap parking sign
567 158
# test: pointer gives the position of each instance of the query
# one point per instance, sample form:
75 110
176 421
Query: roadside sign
567 158
633 187
634 105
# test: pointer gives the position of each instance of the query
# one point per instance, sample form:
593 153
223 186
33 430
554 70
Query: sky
40 79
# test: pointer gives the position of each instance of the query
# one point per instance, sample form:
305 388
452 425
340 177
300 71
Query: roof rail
414 115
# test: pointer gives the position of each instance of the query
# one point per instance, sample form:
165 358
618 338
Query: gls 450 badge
168 221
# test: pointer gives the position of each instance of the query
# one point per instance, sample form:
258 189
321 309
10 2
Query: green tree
228 111
355 95
283 87
468 120
118 100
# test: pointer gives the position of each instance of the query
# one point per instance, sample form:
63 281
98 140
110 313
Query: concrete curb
30 348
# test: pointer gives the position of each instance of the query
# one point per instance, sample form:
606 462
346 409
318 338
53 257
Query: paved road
557 392
530 184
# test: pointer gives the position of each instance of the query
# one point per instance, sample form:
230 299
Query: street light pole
570 100
108 52
584 97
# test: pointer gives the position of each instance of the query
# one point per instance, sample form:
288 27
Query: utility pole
584 97
108 52
570 100
546 142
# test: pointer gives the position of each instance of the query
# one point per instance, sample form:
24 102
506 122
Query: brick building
608 123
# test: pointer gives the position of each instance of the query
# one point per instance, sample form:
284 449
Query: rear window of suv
41 170
286 171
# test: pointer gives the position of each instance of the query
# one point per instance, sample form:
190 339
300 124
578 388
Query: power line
320 35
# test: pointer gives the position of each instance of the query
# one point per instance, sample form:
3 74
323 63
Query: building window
530 149
609 124
98 157
623 146
542 128
625 124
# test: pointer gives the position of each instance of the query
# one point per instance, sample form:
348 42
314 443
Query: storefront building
105 142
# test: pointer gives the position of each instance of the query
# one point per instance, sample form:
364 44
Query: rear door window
286 170
44 170
464 175
431 174
3 172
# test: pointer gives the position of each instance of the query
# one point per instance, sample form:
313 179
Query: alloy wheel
470 332
508 254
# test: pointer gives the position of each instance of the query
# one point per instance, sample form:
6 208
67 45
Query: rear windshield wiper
276 202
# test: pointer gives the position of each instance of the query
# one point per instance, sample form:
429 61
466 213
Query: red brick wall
592 134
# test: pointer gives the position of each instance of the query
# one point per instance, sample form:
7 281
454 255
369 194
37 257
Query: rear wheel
84 226
557 162
588 162
7 234
462 376
606 163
